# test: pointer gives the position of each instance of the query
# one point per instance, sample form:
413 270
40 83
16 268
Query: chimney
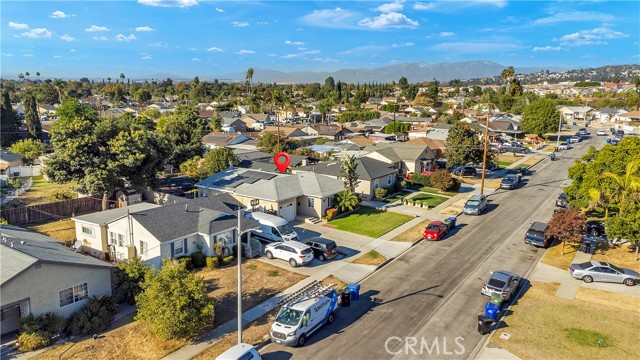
186 207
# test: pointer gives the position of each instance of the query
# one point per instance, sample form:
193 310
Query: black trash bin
484 324
345 298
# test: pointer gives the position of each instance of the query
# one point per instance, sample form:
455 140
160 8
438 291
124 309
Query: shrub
273 273
442 180
213 262
421 179
218 249
331 213
187 262
32 341
198 259
129 275
94 317
403 183
49 324
396 187
64 194
380 193
227 260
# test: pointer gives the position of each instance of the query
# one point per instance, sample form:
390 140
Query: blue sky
212 38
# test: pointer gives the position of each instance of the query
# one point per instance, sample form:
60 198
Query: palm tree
347 201
348 172
26 74
249 77
600 199
627 184
275 101
324 107
122 77
38 74
507 74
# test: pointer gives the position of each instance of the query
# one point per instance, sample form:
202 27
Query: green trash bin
497 298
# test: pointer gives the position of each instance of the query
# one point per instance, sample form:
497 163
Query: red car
436 230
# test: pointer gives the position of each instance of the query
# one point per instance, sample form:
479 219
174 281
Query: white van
304 313
240 352
272 228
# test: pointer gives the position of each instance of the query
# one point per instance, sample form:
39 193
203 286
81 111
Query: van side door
307 321
275 234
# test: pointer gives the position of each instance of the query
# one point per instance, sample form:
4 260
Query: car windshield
535 234
285 229
620 270
288 316
508 179
473 203
496 283
432 227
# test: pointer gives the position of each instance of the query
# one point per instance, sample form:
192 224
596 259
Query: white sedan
564 146
601 133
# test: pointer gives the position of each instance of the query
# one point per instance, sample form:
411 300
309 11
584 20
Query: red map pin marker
282 161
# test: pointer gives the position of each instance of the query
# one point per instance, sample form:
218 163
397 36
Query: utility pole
559 128
484 156
240 216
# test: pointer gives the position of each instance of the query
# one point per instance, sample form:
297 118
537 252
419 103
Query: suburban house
288 195
406 158
287 132
607 114
359 141
214 140
576 112
438 145
372 174
9 160
92 230
256 118
632 116
439 132
39 275
234 124
330 132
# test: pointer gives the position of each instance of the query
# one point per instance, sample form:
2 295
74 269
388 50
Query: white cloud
302 49
72 50
57 56
27 55
574 16
101 38
66 37
146 57
169 3
219 10
158 44
331 18
17 26
145 28
262 23
7 54
546 48
404 44
363 49
391 7
196 60
214 49
59 15
297 43
325 59
193 49
424 6
272 55
478 47
121 37
496 3
447 34
37 33
240 23
245 52
389 20
96 28
597 36
290 56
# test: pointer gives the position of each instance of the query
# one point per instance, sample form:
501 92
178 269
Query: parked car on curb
564 146
510 181
502 282
436 230
240 352
323 249
466 170
562 200
603 272
583 131
575 139
537 235
476 205
601 133
296 253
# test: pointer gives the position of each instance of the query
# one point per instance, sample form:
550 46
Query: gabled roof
20 248
214 213
105 217
399 151
8 156
361 141
367 169
430 143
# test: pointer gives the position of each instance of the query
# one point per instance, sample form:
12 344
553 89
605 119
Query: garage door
288 211
10 318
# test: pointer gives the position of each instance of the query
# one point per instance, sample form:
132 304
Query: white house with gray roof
406 158
38 274
287 195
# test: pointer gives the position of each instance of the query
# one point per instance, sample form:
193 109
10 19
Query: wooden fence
51 211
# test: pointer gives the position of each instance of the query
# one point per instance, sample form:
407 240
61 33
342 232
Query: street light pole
240 216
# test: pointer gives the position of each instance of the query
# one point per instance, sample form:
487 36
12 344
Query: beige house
40 275
406 158
287 195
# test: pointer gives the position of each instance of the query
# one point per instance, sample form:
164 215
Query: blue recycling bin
575 123
608 141
491 310
354 290
452 220
568 142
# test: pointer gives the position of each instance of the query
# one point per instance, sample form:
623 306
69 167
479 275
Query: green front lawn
370 222
396 197
431 199
504 164
436 191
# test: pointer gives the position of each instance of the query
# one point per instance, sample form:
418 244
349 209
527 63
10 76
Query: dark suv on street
466 170
537 235
323 249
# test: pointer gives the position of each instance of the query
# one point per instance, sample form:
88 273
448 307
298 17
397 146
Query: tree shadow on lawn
226 306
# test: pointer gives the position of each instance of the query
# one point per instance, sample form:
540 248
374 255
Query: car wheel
269 255
302 340
594 232
587 279
293 262
331 318
629 282
321 258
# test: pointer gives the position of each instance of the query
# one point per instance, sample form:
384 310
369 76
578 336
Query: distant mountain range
414 72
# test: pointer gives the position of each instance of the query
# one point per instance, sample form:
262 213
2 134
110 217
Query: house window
113 238
225 238
143 247
178 247
389 179
310 202
73 294
376 183
330 201
87 231
120 240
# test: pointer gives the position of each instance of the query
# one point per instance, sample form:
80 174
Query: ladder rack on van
315 289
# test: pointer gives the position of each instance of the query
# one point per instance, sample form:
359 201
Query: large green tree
540 117
268 142
184 130
463 145
130 275
31 149
32 120
174 302
626 224
9 123
349 172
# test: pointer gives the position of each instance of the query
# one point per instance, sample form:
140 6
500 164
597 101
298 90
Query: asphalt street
424 304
